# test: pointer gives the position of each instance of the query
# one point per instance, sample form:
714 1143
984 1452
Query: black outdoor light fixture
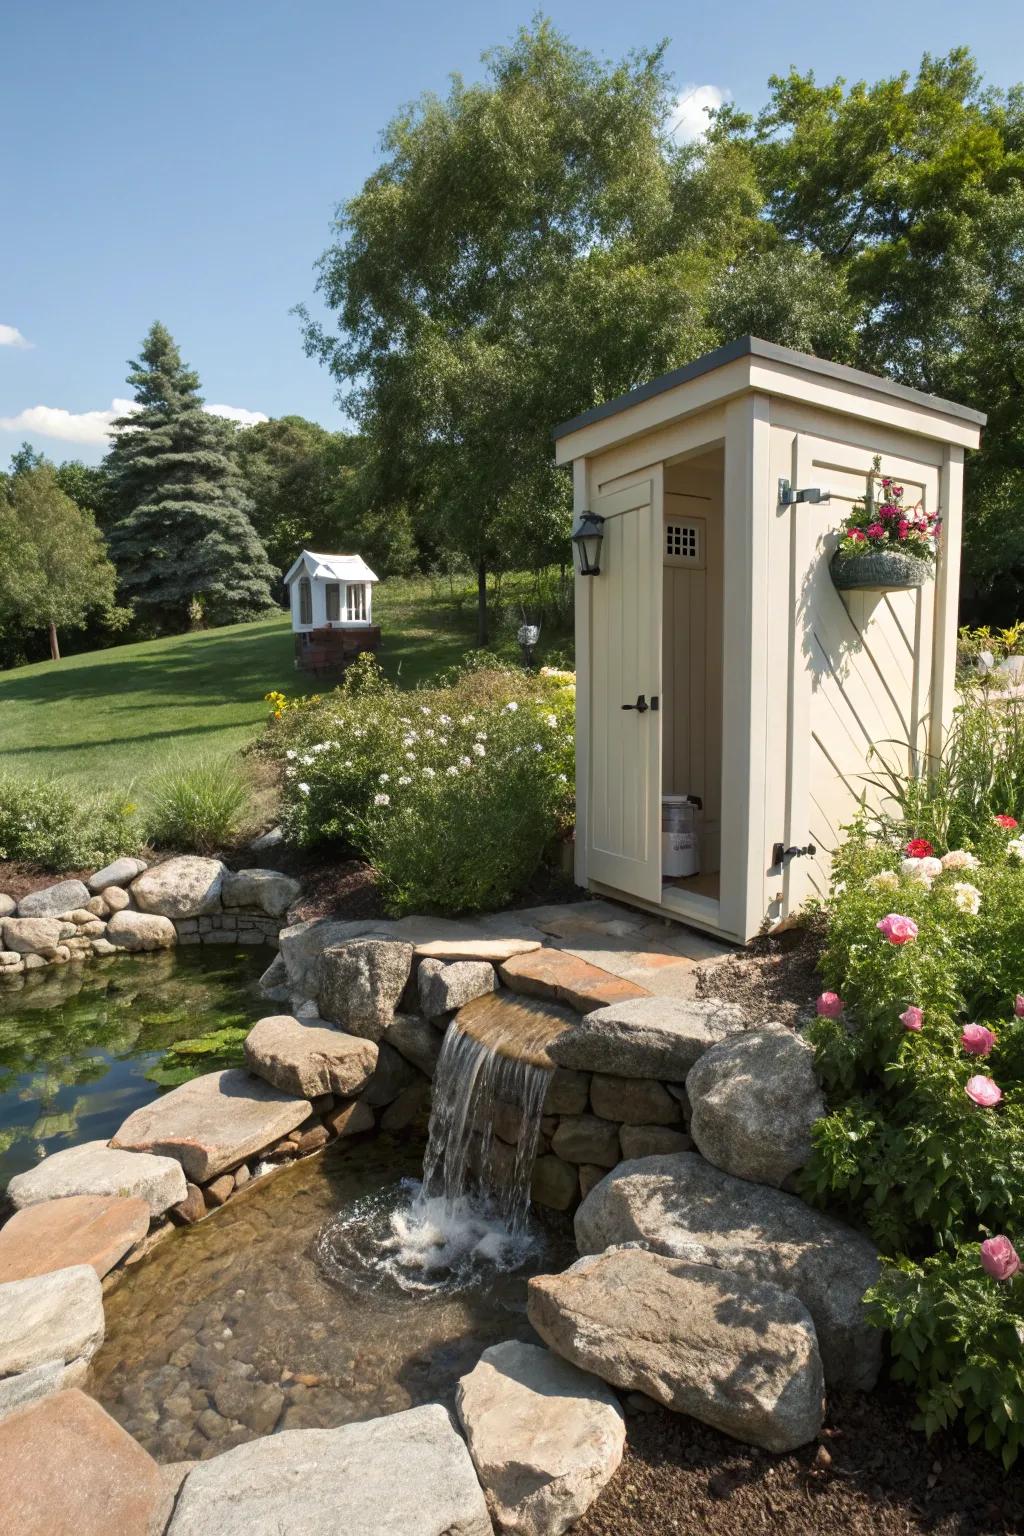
587 543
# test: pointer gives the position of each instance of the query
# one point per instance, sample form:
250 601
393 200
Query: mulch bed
868 1474
18 880
775 978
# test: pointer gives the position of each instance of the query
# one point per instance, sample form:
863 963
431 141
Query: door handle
641 705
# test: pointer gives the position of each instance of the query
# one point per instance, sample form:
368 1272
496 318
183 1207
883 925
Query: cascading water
471 1208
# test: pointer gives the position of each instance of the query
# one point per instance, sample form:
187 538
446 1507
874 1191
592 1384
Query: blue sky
181 161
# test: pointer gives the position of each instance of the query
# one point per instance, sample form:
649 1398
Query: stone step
213 1122
564 978
97 1230
68 1466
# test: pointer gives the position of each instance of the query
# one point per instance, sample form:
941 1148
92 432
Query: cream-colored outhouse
762 690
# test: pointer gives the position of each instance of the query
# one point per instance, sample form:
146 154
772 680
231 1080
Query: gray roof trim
752 346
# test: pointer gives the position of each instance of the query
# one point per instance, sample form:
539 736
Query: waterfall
469 1214
476 1081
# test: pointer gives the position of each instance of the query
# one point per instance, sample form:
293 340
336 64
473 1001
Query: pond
286 1310
77 1042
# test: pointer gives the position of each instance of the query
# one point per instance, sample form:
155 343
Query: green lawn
113 717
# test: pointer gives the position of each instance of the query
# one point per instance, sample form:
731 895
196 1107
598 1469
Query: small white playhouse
331 601
718 659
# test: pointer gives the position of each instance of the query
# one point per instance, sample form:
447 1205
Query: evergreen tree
182 538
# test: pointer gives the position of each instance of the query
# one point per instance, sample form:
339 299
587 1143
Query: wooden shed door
624 820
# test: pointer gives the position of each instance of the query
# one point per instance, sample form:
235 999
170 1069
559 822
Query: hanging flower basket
884 546
878 570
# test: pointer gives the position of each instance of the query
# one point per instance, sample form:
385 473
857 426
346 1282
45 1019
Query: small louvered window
682 542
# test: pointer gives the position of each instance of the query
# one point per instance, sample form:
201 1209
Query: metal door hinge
780 853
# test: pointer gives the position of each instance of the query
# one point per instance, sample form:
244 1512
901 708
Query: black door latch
780 853
641 705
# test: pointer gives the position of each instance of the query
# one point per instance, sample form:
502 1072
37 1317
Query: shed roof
753 346
332 567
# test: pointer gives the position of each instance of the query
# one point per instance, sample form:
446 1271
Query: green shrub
453 793
198 806
50 824
956 1339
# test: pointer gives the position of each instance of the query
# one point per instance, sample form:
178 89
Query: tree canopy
536 244
54 570
183 543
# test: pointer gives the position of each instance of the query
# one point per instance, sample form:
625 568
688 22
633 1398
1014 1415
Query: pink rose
1018 1005
829 1005
977 1040
999 1258
983 1091
897 929
912 1018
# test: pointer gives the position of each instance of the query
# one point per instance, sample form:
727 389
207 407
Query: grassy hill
112 717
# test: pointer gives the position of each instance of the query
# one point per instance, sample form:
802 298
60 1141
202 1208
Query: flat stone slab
97 1230
648 1037
39 1382
682 1206
307 1058
213 1122
522 1028
94 1168
69 1469
58 1316
442 938
55 900
563 978
121 872
406 1475
544 1436
736 1353
187 886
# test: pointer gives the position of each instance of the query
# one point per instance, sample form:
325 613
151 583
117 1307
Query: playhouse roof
767 352
331 567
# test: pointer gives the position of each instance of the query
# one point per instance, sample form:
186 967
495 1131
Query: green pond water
77 1042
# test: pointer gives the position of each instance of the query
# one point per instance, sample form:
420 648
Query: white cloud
689 116
96 426
237 413
10 336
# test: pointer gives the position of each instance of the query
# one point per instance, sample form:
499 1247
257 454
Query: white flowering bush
453 793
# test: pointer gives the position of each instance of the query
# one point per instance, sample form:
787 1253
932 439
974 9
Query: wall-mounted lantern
587 543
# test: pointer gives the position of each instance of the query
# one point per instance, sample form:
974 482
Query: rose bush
454 793
924 1144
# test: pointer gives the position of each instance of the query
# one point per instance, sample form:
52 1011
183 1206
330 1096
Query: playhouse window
355 611
305 601
332 593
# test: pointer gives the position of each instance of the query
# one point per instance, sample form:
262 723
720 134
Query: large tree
53 567
908 195
182 540
517 256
